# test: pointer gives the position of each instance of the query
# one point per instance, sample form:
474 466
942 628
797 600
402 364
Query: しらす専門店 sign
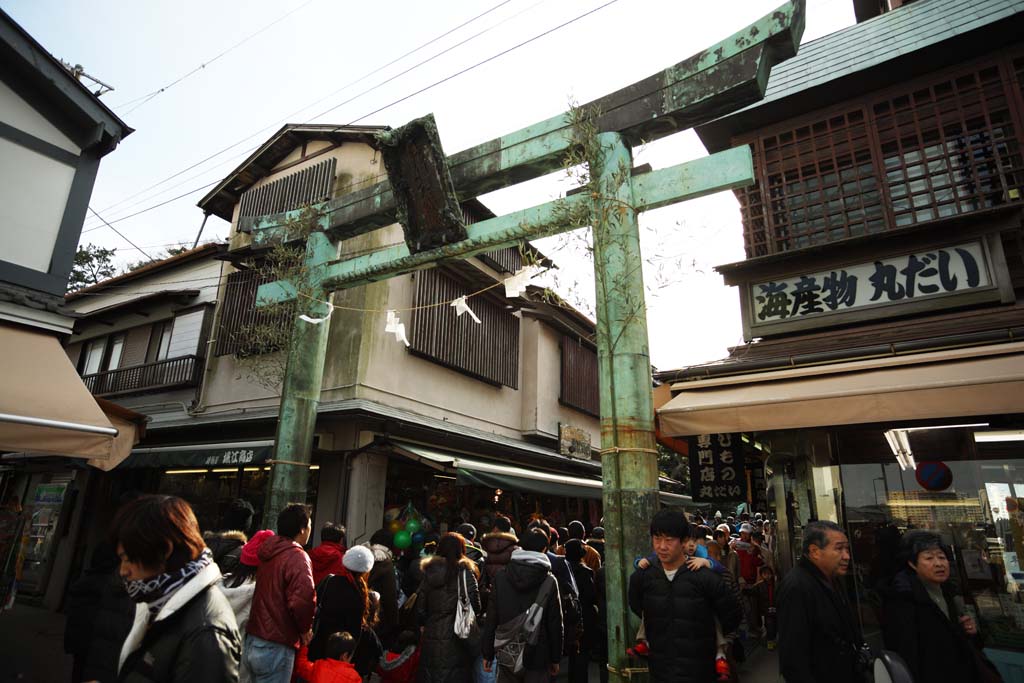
716 468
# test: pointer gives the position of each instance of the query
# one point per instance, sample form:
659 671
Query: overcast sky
314 61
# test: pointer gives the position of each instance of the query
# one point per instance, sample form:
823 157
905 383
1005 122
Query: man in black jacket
679 606
515 589
818 635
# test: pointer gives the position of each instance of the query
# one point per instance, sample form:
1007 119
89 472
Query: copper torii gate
711 83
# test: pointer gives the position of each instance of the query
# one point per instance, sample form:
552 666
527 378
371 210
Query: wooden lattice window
820 184
942 146
949 148
488 351
239 313
579 385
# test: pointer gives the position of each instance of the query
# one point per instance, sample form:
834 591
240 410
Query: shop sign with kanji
754 474
940 276
716 468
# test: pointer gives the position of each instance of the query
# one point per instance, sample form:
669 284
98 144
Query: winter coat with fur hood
498 546
192 639
226 547
445 658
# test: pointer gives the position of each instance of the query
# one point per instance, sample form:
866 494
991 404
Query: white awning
985 380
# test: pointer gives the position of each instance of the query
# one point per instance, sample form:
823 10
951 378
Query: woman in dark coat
444 657
184 628
384 581
579 659
922 622
344 605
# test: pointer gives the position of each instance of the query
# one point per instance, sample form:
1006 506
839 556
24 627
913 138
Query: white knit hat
358 559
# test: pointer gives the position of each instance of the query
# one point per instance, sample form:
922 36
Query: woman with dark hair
343 604
444 657
383 580
184 628
923 621
240 585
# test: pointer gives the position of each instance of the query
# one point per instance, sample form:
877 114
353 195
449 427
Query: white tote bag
465 618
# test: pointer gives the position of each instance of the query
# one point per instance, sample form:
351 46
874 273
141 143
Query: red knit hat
249 550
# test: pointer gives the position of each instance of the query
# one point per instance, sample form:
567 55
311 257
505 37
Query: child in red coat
335 667
399 664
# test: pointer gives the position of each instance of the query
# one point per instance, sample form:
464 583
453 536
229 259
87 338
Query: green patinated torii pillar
422 193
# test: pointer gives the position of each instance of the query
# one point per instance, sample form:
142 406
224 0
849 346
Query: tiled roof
863 53
884 38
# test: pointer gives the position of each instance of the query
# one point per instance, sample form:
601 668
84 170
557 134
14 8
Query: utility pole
714 82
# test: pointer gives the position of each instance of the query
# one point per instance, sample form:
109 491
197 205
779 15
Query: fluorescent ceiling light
925 429
899 444
1010 435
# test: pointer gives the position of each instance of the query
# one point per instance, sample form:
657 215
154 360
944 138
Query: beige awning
44 406
985 380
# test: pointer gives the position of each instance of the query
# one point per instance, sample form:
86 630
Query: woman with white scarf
184 628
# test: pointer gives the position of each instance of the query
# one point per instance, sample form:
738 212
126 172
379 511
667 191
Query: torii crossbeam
711 83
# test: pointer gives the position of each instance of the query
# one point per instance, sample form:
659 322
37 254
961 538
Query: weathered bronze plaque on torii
425 200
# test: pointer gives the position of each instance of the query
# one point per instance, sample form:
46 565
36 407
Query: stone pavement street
32 651
32 646
761 667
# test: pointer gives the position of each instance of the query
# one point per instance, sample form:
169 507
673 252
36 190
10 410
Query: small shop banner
716 468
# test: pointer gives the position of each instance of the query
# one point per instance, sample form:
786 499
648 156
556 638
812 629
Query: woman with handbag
448 603
344 604
923 621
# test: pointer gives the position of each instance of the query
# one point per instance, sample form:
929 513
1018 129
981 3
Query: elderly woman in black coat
923 623
445 658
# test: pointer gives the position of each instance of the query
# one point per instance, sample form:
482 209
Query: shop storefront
930 441
449 488
211 476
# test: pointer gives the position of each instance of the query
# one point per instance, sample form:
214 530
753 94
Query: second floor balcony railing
165 374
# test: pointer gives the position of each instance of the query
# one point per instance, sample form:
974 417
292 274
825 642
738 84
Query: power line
402 99
155 206
429 59
481 63
298 111
120 233
145 99
354 97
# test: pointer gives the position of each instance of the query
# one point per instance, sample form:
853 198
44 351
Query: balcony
172 373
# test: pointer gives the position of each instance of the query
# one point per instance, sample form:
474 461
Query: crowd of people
519 603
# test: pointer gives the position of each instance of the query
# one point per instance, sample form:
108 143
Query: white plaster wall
395 376
33 192
16 112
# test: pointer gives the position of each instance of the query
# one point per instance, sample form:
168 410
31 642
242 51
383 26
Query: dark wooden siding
942 145
579 388
488 351
239 311
308 186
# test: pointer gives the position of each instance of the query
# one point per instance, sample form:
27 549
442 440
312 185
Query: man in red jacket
283 603
326 557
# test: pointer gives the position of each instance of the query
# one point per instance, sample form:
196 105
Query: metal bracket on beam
425 198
